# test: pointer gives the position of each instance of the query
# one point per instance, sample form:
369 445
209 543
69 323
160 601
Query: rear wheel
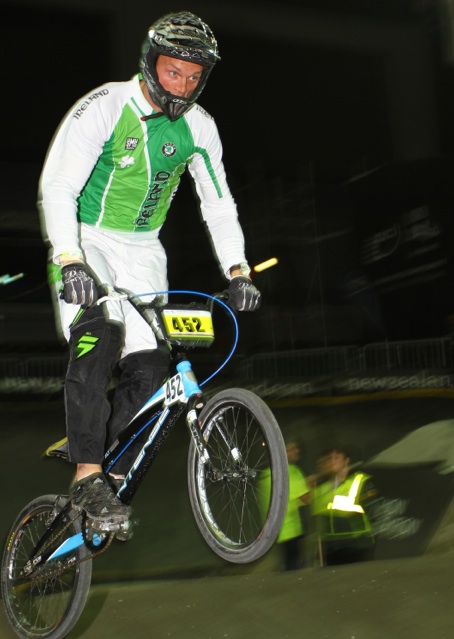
239 498
47 603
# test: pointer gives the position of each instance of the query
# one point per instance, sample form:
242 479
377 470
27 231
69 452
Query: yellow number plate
188 325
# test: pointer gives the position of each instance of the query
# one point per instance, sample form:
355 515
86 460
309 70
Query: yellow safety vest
338 510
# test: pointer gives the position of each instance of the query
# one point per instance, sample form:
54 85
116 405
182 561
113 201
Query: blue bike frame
159 413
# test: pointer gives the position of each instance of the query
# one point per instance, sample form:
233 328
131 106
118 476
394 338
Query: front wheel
239 497
47 604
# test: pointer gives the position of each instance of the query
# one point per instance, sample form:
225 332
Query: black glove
78 286
243 296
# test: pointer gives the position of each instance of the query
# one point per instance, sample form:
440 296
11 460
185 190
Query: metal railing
29 366
382 357
24 372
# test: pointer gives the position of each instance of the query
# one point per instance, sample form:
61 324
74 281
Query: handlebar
120 295
157 305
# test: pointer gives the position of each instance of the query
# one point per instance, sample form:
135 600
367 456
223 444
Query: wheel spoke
41 604
227 493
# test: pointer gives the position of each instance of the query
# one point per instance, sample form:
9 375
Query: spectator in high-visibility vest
343 498
291 534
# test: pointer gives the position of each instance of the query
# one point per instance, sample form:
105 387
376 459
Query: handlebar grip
224 295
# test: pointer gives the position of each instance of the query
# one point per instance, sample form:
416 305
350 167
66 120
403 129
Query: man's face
333 463
179 77
293 452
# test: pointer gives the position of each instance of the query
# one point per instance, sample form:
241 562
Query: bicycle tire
48 607
227 505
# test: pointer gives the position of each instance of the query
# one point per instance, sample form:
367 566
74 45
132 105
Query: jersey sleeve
72 155
218 207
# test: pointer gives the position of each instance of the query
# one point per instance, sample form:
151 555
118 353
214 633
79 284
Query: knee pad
151 361
140 375
94 344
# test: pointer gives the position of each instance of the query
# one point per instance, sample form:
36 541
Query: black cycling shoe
115 482
95 496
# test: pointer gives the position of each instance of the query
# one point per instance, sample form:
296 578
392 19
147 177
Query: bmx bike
46 567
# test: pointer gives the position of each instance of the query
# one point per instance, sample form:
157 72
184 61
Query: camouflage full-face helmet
183 36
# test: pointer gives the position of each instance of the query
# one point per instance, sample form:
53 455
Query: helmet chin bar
176 107
173 106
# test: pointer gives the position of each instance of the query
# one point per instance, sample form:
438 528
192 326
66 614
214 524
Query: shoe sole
112 519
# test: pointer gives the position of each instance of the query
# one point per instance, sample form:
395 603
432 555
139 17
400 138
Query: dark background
338 142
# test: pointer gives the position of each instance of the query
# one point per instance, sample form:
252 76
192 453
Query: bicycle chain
55 572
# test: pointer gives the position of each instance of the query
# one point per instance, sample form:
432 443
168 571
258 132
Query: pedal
126 530
105 526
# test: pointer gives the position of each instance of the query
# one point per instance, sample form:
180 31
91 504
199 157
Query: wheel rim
231 499
37 606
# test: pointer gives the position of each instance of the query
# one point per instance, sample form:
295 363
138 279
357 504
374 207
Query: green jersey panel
143 158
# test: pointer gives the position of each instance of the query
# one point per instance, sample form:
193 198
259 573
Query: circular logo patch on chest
169 149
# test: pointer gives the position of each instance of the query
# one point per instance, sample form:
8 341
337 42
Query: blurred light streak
265 265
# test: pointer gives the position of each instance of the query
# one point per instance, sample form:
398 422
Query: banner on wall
403 220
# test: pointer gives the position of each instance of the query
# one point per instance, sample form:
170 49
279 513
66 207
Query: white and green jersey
112 168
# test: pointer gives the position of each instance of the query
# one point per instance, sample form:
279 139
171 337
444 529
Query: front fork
194 405
193 422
